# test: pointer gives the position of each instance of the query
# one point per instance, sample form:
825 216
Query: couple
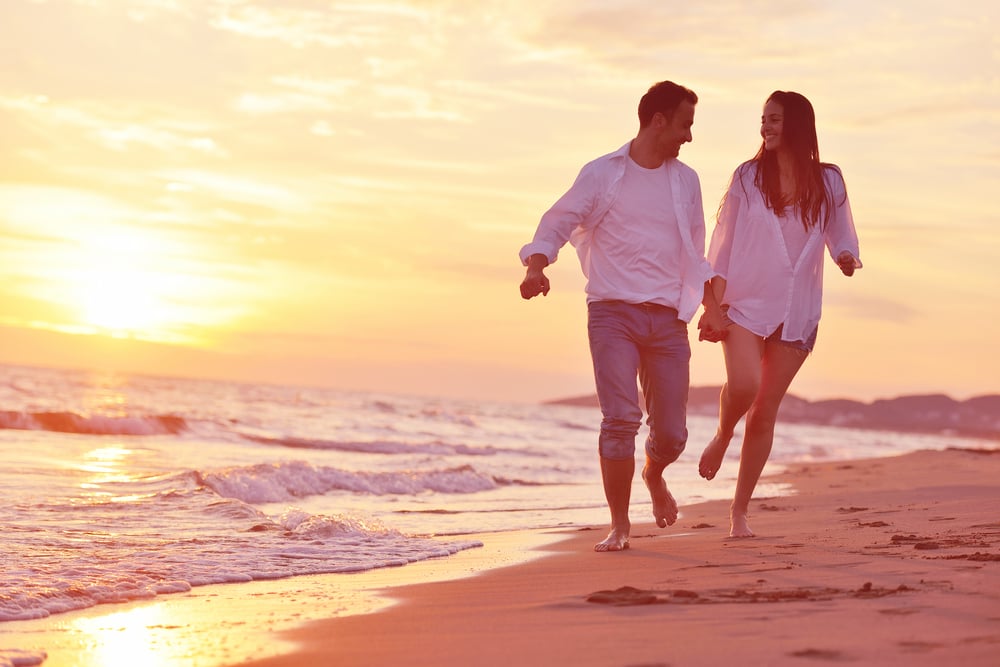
636 220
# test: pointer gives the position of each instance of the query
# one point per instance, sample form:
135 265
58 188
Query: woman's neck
787 178
786 165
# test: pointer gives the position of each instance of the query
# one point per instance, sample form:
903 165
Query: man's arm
535 281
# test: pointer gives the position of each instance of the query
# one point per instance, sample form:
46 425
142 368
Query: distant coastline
926 413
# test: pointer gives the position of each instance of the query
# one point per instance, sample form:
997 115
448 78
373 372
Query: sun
122 289
121 300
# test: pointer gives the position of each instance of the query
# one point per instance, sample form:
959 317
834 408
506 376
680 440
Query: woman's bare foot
711 458
739 524
617 540
664 505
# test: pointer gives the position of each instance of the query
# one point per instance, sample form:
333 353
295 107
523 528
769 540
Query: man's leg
616 361
617 476
664 371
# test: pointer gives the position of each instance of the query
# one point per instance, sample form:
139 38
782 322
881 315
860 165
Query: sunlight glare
120 299
119 291
135 637
106 465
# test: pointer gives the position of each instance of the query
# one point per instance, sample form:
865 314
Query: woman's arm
840 234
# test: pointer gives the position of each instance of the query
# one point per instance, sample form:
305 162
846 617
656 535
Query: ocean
123 487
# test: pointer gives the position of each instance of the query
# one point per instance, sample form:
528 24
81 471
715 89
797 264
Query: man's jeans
650 341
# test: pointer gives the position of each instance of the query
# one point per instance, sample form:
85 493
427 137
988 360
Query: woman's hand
847 263
711 326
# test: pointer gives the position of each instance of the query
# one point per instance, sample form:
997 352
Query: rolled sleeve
538 248
571 211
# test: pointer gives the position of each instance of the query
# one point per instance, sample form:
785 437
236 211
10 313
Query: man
635 218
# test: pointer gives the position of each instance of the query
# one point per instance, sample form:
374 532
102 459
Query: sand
892 561
224 624
877 562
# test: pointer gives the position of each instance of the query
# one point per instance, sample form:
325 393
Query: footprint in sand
819 654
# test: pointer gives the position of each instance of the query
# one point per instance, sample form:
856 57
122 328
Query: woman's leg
743 353
778 367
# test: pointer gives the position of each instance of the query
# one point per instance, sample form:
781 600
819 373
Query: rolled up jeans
650 342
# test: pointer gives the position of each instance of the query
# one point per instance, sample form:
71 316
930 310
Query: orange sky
335 192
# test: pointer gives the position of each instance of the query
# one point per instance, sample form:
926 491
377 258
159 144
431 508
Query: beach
886 561
176 522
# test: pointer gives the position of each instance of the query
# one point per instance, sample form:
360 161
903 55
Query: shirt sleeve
698 235
721 248
840 234
572 210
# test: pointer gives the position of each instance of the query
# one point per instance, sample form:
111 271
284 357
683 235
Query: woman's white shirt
773 265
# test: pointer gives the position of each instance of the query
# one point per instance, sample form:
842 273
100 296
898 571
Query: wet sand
892 561
878 562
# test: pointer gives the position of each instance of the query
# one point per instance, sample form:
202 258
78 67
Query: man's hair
663 97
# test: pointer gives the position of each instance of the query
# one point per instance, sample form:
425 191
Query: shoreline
890 560
222 624
874 561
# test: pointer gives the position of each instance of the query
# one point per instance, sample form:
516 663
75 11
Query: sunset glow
117 294
136 636
335 193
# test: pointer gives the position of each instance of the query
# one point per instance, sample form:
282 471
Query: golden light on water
106 465
138 636
104 396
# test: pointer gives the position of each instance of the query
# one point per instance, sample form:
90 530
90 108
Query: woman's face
772 125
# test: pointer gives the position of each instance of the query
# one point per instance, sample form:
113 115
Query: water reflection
138 636
111 464
103 393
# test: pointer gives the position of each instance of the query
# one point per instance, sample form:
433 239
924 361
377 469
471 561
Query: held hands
847 263
711 326
534 283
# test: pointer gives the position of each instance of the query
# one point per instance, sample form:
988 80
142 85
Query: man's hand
535 281
847 263
711 326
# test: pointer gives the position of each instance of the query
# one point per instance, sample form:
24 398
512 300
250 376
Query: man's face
676 130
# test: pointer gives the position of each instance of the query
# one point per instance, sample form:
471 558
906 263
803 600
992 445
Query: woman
781 208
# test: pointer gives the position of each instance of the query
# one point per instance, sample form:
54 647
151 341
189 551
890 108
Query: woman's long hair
798 137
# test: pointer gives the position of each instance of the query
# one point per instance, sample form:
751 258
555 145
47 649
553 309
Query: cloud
411 102
243 189
632 31
311 24
297 94
113 127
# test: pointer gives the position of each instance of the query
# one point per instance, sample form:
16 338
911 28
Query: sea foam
278 482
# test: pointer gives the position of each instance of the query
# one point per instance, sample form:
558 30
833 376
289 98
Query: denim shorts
806 345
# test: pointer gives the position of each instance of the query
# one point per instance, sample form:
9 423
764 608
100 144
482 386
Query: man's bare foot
664 505
711 458
617 540
739 525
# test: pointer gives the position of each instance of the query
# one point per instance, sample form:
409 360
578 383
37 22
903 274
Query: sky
334 193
